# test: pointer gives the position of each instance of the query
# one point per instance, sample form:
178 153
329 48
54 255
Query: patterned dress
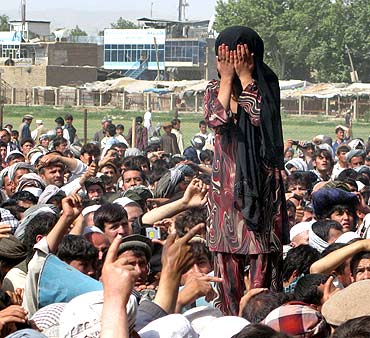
228 234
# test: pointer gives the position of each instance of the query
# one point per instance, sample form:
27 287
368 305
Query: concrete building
163 49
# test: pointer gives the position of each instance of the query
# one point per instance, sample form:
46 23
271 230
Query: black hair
58 141
260 305
322 227
27 139
109 213
304 178
347 173
175 121
354 328
199 249
202 123
12 157
356 259
189 219
331 248
156 173
299 260
90 148
324 153
343 148
206 155
135 168
111 129
25 196
260 331
73 247
40 225
68 117
307 290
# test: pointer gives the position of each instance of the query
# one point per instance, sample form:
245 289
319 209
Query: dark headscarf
256 147
12 248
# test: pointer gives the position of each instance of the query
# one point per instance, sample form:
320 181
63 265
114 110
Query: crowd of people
138 234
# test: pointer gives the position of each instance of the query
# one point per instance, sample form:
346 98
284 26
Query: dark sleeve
146 313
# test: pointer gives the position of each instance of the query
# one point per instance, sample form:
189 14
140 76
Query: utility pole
354 75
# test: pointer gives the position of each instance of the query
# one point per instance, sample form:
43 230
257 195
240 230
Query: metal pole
85 126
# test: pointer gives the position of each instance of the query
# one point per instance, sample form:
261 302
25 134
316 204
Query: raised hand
225 62
196 193
243 64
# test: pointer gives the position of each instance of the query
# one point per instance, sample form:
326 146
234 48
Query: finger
113 249
192 232
327 285
212 279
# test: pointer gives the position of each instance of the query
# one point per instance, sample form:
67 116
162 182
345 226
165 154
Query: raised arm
194 196
330 262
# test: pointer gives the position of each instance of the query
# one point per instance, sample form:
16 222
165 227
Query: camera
153 233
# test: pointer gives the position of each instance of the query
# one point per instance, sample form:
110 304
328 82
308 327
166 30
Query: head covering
13 152
94 181
91 208
224 327
138 193
50 191
166 124
347 237
316 242
167 183
123 201
171 326
201 316
326 198
298 163
28 117
31 182
39 121
81 316
92 229
136 242
19 165
355 153
198 142
299 228
271 147
357 144
3 173
30 214
12 248
133 152
48 316
43 137
297 319
351 302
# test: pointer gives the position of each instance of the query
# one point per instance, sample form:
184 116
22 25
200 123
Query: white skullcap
298 229
123 201
347 237
91 208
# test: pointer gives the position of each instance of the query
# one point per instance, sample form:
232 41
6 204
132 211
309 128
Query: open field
294 127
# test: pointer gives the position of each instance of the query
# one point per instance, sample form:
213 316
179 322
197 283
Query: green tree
123 24
4 22
305 39
77 31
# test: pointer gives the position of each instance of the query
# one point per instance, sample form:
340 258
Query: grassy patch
294 127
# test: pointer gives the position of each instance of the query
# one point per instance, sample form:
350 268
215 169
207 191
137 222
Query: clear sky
94 15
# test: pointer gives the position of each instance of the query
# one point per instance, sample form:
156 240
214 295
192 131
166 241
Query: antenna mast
23 2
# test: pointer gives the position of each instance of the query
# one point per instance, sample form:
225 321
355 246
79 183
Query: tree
305 39
77 31
123 24
4 23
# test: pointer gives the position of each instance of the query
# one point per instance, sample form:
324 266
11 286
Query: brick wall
73 54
